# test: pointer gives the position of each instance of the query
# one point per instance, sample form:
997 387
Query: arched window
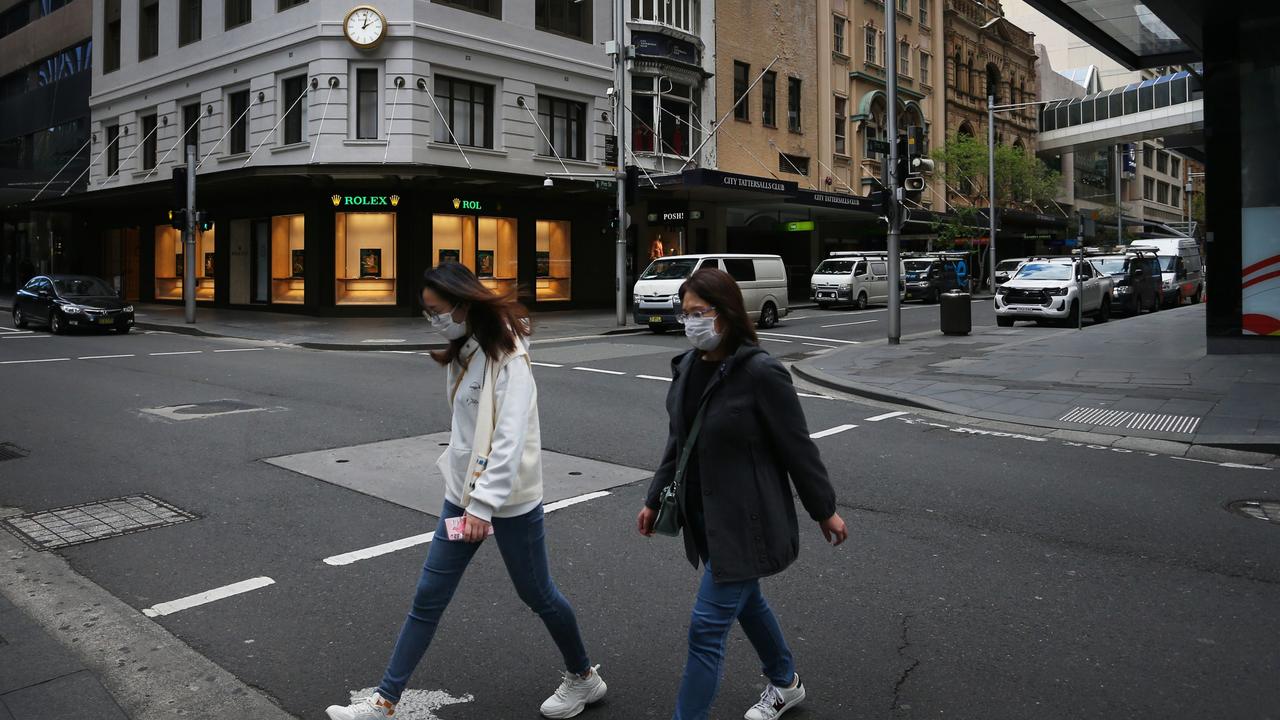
974 88
993 82
959 73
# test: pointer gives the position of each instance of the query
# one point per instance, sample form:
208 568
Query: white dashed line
829 347
832 431
542 364
383 549
561 504
811 395
226 591
239 350
654 377
22 362
180 352
24 337
886 416
860 322
808 337
778 341
598 370
103 357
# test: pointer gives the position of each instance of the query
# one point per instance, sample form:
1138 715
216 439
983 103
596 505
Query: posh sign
364 201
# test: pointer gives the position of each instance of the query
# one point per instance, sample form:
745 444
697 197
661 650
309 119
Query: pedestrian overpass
1167 106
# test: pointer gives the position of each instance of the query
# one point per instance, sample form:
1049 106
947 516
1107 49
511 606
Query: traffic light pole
894 206
991 188
620 123
189 240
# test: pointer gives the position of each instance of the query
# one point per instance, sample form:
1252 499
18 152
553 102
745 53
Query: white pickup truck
1045 290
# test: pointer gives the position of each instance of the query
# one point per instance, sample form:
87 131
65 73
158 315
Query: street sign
611 150
604 184
878 146
800 226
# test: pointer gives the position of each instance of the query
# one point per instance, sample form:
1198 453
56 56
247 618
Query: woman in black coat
738 514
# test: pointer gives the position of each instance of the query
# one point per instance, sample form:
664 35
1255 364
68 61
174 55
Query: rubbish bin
955 310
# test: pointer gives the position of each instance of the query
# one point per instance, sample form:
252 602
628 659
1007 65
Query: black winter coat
753 438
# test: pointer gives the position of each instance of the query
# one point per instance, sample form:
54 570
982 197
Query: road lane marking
561 504
778 341
24 337
204 598
240 350
886 416
103 357
808 337
860 322
797 317
811 395
829 347
598 370
654 377
21 362
180 352
544 364
832 431
383 549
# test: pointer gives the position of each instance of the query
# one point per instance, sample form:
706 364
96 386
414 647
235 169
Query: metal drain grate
9 451
86 522
1268 510
1130 420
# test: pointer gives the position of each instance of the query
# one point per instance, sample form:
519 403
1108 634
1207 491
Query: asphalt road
987 575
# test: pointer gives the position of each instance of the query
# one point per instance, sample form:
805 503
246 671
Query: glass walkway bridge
1158 107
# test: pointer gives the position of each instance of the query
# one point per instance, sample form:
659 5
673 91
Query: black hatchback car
63 302
1137 279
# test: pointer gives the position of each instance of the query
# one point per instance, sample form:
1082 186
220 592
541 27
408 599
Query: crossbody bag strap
688 447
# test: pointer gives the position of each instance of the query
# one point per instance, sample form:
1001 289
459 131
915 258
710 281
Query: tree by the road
1021 178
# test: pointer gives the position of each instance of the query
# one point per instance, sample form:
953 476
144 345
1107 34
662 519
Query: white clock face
365 26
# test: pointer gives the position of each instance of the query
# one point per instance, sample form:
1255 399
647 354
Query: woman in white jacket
493 480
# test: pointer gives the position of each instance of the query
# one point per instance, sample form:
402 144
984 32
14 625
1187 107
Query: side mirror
1082 277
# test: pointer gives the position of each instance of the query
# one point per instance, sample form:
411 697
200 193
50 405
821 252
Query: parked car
63 302
762 279
1180 264
1137 280
926 278
1005 269
1049 290
858 278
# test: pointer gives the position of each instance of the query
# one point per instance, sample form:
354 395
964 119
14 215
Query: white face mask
702 333
446 325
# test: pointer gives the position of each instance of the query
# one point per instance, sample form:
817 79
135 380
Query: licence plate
655 318
106 321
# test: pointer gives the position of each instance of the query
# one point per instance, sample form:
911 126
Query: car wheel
19 320
768 315
657 329
1004 321
932 297
862 301
1104 312
55 323
1195 299
823 306
1159 303
1177 299
1073 314
123 329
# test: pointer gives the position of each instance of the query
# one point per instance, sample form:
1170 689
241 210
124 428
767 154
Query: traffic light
179 188
204 222
177 219
902 168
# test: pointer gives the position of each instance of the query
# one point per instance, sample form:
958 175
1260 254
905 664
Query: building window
769 99
148 131
565 123
113 149
149 29
188 21
1162 193
191 125
1162 161
282 5
793 104
793 164
170 261
111 36
837 33
365 258
741 81
1148 189
680 14
1175 167
870 54
469 109
1147 153
924 12
904 7
238 102
841 121
904 59
492 8
554 257
925 59
486 245
564 17
1174 192
675 120
288 259
871 133
366 104
292 89
236 13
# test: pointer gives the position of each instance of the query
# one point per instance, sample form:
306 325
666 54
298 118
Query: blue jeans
522 542
717 607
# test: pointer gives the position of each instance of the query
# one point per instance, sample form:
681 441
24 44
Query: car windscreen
83 287
669 269
1168 263
1045 271
834 267
917 265
1006 265
1111 266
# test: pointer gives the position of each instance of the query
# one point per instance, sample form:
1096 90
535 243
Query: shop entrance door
260 262
130 262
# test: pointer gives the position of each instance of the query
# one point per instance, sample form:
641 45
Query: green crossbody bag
668 521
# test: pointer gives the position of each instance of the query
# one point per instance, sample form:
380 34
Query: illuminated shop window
366 258
169 263
554 263
486 245
288 259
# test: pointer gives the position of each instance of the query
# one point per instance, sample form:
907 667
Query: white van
1181 266
860 278
762 279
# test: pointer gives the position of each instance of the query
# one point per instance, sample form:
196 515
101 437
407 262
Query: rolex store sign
365 201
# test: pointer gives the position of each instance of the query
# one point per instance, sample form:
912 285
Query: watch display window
554 258
365 244
486 245
169 259
288 259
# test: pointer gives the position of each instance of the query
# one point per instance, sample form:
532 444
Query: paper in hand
453 527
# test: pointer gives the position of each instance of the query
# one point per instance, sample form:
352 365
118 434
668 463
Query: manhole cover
86 522
9 451
1257 509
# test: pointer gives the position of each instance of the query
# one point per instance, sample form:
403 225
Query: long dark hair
496 320
720 291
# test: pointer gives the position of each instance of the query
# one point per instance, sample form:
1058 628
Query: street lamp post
619 112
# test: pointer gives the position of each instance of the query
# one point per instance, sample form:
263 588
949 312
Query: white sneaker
575 694
370 708
776 700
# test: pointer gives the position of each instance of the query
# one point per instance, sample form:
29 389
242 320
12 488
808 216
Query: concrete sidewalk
1144 377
